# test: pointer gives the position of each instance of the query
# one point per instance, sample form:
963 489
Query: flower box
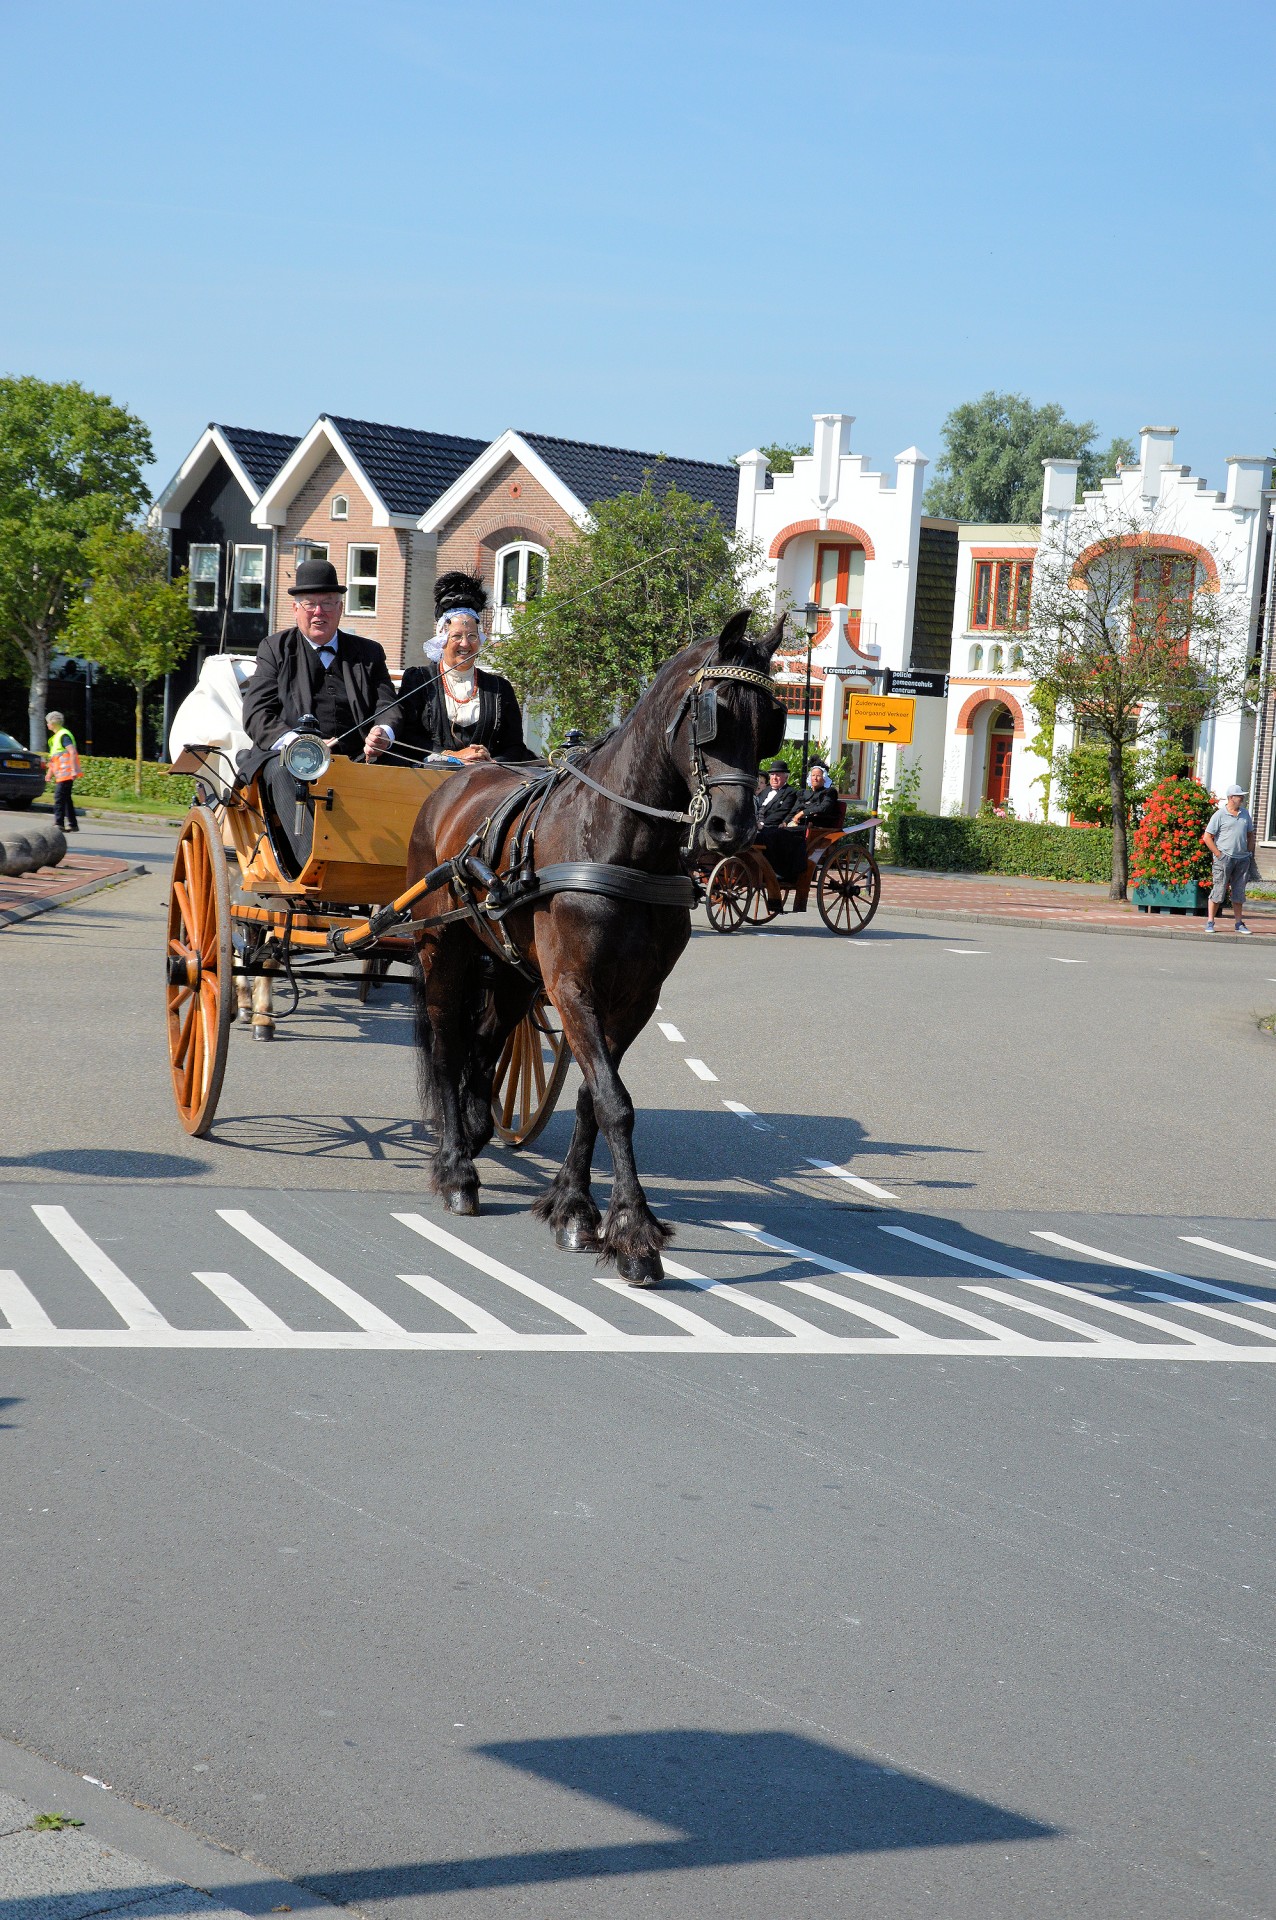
1155 896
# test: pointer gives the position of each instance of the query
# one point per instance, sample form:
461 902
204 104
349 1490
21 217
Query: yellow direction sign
885 717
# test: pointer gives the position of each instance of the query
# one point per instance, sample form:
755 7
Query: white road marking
1235 1253
700 1070
1038 1312
792 1322
1214 1313
741 1112
128 1300
243 1304
519 1283
852 1179
1162 1273
671 1032
667 1309
19 1305
981 951
477 1318
1077 1294
886 1321
1061 961
353 1304
944 1307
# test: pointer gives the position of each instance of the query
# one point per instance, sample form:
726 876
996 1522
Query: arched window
975 660
1016 659
520 576
996 659
340 506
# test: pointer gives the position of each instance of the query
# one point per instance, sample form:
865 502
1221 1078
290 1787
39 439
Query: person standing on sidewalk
64 770
1230 839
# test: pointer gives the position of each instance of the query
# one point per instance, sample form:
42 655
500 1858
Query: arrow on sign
891 729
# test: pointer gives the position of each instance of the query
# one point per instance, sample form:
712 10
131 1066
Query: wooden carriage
744 888
262 922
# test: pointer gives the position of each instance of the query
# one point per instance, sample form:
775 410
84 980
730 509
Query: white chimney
1248 477
831 439
1060 488
1156 452
753 467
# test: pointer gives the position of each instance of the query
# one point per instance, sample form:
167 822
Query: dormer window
340 507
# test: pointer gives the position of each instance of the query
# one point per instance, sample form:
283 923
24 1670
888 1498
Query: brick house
353 492
501 516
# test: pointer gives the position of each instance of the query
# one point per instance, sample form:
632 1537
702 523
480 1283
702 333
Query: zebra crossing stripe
128 1300
352 1304
496 1270
255 1314
476 1318
19 1305
791 1322
694 1323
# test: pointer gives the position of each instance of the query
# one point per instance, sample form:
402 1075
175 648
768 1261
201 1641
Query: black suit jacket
781 806
425 717
285 681
818 807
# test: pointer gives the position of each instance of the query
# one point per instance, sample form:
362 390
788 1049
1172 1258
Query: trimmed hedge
105 779
959 845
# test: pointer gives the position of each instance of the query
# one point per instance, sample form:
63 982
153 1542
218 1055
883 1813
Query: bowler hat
316 576
779 766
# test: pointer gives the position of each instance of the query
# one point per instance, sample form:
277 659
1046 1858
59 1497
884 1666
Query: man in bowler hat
315 668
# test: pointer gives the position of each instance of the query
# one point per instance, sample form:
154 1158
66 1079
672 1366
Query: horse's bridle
700 700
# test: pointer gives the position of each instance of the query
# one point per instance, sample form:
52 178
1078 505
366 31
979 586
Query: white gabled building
1157 504
854 541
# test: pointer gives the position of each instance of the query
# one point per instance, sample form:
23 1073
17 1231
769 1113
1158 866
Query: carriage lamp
307 757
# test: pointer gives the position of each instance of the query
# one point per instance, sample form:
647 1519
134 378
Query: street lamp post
810 621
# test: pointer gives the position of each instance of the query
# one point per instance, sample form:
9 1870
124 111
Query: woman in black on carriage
451 705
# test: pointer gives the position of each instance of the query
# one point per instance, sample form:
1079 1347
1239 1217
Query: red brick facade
510 505
309 517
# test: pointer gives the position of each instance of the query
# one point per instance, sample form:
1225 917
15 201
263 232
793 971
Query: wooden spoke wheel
760 910
728 898
199 986
849 888
530 1074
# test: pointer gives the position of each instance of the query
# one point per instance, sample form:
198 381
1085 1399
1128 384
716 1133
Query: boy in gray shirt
1230 839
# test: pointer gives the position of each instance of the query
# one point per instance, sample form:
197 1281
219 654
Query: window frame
1009 584
237 581
503 611
341 500
355 581
204 546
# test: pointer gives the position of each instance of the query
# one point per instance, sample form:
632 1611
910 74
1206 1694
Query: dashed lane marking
852 1179
700 1070
671 1033
741 1112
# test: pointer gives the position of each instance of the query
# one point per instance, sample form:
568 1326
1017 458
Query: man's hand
377 742
471 754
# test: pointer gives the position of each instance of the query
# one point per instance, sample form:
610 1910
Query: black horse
676 778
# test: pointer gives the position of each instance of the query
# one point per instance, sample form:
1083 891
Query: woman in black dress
451 705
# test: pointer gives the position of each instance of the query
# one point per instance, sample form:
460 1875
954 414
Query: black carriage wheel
199 985
530 1074
849 888
727 898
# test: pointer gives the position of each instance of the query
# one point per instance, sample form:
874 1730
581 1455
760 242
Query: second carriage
744 889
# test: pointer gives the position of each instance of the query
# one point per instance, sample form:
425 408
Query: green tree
70 465
1136 647
990 468
653 570
134 621
782 453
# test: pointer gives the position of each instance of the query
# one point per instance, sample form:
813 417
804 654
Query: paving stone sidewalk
80 873
1010 900
71 1874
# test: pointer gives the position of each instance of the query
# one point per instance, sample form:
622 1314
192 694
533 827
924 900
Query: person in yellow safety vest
64 770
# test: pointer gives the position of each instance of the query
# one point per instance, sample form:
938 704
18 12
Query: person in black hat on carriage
817 804
452 705
314 669
784 846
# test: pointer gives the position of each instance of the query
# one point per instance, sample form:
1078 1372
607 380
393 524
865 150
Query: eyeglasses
325 605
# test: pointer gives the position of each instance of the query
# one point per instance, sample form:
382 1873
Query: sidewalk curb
177 1853
9 916
1136 930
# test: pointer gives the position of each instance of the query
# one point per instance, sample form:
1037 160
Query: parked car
21 773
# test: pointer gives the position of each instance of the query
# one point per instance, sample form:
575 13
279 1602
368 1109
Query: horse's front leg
630 1235
567 1204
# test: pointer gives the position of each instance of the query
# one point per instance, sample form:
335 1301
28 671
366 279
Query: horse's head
725 720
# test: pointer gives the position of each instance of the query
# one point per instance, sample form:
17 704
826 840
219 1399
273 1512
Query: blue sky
681 227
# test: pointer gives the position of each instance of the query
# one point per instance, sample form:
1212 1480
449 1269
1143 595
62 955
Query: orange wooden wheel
199 988
849 888
728 897
529 1074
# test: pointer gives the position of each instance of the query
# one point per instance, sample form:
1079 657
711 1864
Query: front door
1001 740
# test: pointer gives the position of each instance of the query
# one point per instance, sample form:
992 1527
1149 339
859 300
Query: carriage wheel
848 889
530 1074
199 990
728 898
760 911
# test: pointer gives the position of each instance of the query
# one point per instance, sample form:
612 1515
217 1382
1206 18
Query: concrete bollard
32 848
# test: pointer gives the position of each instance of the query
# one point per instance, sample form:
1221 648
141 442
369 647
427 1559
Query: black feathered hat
454 592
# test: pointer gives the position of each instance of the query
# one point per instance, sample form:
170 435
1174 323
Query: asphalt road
945 1589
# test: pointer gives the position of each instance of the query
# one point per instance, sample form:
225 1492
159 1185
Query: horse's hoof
244 1018
641 1269
459 1201
576 1237
263 1033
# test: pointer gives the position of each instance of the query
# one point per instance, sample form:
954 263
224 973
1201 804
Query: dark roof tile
260 454
599 473
408 468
